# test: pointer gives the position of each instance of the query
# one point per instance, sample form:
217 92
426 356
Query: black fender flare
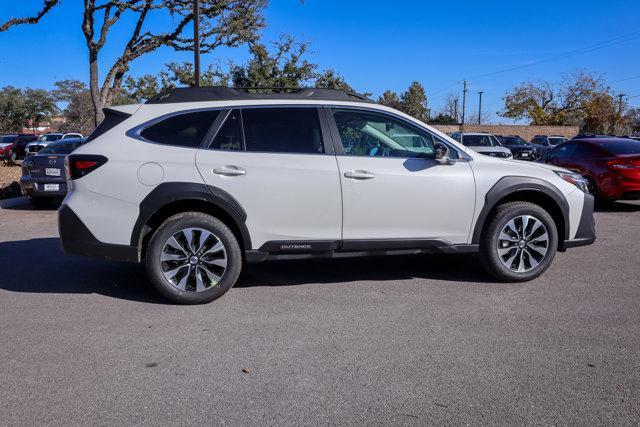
511 184
170 192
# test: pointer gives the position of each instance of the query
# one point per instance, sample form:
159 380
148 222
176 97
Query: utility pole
196 42
620 96
619 118
455 109
464 103
480 108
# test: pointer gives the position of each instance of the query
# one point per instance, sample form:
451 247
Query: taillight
80 165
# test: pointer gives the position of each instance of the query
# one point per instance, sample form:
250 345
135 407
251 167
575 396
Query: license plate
52 171
52 187
525 154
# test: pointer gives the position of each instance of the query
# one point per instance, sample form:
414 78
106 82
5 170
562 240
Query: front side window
380 135
282 130
183 130
229 137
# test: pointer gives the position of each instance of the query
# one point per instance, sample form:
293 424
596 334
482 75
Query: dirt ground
8 174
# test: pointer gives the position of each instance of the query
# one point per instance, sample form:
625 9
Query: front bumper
586 233
76 239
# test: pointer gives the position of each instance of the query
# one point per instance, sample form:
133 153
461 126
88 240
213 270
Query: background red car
611 165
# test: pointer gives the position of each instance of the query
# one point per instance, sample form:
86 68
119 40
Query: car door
392 188
278 164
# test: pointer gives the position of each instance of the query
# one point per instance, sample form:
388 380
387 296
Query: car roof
599 140
220 93
473 133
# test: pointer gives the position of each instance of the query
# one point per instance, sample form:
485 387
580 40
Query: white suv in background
483 143
196 182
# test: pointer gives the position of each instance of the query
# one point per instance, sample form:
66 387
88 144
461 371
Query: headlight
574 179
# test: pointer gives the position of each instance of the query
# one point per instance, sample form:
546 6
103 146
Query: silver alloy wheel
523 243
193 260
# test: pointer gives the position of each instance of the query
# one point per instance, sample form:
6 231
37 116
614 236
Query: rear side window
183 130
585 151
282 130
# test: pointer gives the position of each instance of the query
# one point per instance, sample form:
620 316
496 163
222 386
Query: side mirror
442 154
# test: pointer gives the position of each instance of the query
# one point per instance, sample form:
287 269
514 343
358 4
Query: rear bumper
76 239
586 233
36 188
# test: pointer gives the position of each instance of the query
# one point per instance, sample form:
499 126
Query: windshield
65 147
620 147
49 137
480 141
556 141
514 140
7 139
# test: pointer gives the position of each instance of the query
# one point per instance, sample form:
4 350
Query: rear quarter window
183 130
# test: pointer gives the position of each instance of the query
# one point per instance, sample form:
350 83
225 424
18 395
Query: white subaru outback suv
196 182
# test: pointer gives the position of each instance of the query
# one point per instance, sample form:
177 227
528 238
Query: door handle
359 174
229 171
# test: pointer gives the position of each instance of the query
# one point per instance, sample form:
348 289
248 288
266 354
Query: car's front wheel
519 243
193 258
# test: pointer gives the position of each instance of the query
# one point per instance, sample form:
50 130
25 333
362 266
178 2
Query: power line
607 43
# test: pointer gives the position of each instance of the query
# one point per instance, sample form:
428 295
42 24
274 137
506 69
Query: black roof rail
222 93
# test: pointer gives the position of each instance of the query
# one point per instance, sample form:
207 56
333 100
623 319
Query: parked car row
16 146
611 165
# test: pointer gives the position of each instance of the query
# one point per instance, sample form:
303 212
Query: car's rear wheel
520 242
193 258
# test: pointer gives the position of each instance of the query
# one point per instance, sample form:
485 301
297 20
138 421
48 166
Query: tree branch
46 7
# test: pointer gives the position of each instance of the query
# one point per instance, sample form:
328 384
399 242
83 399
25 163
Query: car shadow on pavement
612 207
450 268
40 266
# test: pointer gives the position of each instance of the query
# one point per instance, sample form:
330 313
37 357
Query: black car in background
520 148
544 144
43 176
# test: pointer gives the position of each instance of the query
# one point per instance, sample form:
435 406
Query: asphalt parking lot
406 340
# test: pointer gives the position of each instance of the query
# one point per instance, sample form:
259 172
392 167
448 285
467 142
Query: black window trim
135 132
327 141
337 141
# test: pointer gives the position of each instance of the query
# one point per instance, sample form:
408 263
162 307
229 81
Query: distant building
48 125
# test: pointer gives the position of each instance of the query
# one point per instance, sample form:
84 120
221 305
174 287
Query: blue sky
378 45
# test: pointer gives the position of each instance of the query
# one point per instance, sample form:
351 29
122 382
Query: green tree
223 23
443 119
13 116
390 99
284 66
330 79
39 104
579 98
78 111
414 102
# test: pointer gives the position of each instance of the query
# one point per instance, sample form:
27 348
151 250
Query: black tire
490 258
174 225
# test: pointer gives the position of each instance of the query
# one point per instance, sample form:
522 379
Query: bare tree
224 23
